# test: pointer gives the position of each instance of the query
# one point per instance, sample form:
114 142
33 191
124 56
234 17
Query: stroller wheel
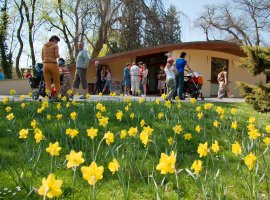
35 95
194 95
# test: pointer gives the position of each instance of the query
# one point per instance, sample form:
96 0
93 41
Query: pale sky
192 8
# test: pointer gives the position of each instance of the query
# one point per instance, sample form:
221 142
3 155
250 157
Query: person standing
170 71
135 78
144 78
82 63
50 52
181 63
98 85
127 81
108 77
161 80
141 77
67 79
223 84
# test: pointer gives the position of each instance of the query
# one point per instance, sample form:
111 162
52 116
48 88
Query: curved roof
220 46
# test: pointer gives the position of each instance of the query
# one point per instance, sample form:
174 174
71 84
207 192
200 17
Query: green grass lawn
224 175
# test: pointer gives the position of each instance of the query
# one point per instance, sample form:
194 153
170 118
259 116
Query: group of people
135 79
53 68
135 76
172 76
103 79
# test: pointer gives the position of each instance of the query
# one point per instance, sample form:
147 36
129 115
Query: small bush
257 95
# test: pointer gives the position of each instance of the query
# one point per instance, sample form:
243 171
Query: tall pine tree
131 22
5 58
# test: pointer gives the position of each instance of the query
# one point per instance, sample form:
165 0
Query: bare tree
30 12
249 17
259 13
107 16
71 19
20 9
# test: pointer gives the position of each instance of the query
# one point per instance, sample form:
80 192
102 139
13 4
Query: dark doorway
217 64
153 62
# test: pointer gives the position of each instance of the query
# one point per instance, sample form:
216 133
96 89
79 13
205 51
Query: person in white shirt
135 78
170 71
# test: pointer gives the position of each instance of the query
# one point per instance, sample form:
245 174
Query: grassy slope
109 188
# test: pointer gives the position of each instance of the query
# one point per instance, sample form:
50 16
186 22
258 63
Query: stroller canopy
39 69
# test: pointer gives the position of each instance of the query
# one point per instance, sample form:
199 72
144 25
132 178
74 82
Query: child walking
67 80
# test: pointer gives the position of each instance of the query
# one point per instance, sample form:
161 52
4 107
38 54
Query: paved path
119 99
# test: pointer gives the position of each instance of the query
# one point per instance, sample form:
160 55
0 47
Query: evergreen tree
130 30
256 62
172 26
162 28
5 58
153 28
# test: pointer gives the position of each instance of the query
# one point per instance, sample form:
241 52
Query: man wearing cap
82 63
50 53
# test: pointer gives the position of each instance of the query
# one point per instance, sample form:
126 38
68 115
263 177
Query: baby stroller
37 83
193 85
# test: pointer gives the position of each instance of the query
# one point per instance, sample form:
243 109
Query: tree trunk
64 30
20 40
30 22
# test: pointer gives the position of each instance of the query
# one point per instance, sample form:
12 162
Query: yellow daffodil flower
53 149
236 148
166 163
203 149
74 159
93 173
114 166
250 161
197 166
50 187
92 132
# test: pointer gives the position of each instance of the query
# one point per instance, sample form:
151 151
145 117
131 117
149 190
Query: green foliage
257 60
5 58
256 95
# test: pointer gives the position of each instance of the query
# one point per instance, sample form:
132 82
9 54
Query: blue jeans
107 85
180 84
176 86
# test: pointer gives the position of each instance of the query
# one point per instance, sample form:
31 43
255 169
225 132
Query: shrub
257 95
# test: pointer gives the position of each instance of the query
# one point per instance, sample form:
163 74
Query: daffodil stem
74 177
93 149
52 165
94 192
90 189
98 148
177 185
